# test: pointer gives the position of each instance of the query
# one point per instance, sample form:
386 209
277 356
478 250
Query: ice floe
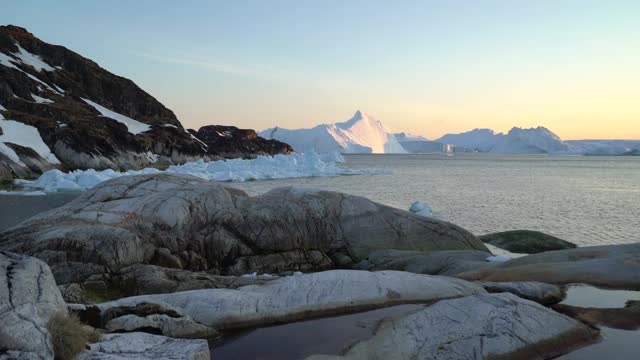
261 168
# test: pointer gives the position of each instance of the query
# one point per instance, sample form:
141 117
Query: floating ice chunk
421 208
260 168
498 258
25 135
134 126
41 100
23 193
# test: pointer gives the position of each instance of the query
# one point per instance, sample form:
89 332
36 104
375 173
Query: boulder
491 326
606 266
185 223
141 346
282 300
545 294
433 263
28 298
526 241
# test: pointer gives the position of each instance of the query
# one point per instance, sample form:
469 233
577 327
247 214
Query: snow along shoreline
261 168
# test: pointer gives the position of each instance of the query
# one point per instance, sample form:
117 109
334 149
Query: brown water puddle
298 340
606 309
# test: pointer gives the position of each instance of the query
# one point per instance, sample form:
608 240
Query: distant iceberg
263 167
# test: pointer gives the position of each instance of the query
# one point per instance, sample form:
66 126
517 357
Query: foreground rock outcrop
142 346
28 299
606 266
496 326
445 262
61 110
185 223
282 300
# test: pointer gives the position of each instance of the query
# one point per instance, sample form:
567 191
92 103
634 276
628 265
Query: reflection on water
300 339
589 296
587 200
616 344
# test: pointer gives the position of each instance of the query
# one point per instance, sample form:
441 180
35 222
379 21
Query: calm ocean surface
585 200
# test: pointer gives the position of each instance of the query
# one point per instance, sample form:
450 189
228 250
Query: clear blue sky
428 67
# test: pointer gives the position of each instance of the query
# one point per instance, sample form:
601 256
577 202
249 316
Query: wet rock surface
493 326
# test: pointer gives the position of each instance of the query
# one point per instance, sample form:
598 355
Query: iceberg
261 168
421 208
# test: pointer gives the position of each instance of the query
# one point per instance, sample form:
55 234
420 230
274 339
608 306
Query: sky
425 67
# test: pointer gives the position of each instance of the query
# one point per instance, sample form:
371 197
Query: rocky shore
164 259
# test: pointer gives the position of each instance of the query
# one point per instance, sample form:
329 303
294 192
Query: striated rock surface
282 300
141 346
526 241
545 294
28 298
495 326
607 266
185 223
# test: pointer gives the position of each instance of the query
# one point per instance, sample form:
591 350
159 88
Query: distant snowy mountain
403 136
361 134
538 140
604 147
475 140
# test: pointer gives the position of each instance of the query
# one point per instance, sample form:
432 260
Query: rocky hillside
61 110
231 142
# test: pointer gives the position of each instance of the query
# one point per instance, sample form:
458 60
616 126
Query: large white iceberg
263 167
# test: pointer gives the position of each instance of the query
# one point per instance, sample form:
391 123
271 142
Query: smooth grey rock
545 294
293 298
526 241
28 298
474 327
434 263
141 346
181 221
607 266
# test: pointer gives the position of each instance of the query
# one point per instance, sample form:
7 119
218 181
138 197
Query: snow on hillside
134 126
361 134
263 167
24 135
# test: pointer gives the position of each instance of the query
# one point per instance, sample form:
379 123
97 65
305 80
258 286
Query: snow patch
41 100
134 126
170 125
151 156
261 168
500 254
28 136
32 60
8 152
421 208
